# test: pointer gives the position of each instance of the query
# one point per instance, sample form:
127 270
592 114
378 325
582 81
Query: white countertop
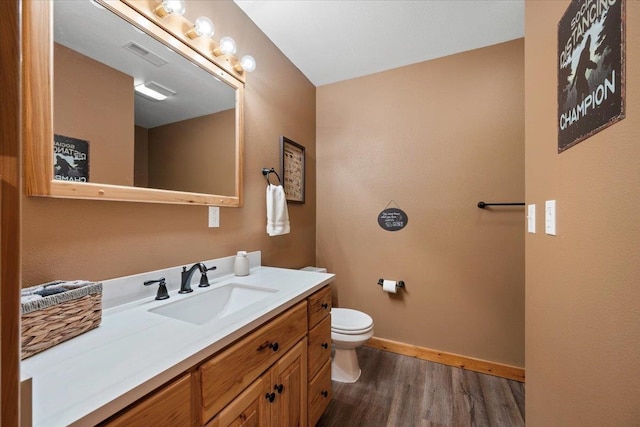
90 377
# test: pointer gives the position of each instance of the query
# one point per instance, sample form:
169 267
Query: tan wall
95 103
141 157
203 161
70 239
435 137
582 288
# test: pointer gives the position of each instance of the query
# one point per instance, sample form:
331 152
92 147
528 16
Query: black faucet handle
204 280
161 280
162 288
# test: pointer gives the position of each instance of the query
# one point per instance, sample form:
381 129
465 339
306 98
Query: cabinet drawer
170 407
319 394
228 373
319 345
319 305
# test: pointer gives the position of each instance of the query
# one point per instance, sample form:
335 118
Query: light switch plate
550 217
531 219
214 216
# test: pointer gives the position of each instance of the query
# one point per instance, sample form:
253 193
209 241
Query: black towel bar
483 205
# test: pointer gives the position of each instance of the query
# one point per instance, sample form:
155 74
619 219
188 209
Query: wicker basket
50 320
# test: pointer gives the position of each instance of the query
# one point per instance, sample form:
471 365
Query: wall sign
591 69
392 219
70 159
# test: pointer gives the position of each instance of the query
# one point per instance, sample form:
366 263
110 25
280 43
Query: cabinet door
170 407
289 383
250 409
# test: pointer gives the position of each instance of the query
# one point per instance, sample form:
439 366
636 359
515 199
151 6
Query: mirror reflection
111 129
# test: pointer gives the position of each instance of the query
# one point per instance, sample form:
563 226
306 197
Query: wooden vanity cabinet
231 371
319 354
278 398
170 406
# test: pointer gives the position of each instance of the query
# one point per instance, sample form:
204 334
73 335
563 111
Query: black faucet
204 280
185 284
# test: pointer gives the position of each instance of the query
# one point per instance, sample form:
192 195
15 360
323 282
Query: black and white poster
590 69
70 159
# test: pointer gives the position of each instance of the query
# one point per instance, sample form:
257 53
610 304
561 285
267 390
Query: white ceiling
334 40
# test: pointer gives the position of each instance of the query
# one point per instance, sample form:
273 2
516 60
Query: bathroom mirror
106 140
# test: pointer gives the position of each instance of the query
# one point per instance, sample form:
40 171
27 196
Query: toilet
350 329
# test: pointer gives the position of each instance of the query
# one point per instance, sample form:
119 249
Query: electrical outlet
214 216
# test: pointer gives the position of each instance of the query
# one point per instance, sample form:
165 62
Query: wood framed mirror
82 60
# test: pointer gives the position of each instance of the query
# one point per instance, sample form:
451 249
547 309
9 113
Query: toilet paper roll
389 286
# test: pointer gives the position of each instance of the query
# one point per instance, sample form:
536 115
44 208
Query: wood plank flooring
401 391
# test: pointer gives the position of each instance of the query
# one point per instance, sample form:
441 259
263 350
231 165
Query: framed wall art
292 166
591 69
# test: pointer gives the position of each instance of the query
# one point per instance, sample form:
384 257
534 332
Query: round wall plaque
393 219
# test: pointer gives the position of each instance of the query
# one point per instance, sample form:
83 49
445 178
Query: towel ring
267 172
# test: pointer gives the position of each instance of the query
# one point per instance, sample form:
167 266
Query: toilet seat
350 322
356 332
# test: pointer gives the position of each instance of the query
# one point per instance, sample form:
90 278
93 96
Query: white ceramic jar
241 264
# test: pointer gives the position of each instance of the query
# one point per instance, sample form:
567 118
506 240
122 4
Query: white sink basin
214 304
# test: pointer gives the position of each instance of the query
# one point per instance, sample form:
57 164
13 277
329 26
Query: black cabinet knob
270 397
279 388
325 345
325 393
325 306
274 346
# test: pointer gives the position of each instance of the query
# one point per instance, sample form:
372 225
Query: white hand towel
277 213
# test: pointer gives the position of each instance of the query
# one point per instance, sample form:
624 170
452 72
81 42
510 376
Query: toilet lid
346 320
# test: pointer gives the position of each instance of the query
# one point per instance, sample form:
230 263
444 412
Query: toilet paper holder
399 284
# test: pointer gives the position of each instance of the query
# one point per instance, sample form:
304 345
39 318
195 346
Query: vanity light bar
204 27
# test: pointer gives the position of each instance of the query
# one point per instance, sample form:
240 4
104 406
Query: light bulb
227 46
202 27
248 63
175 7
